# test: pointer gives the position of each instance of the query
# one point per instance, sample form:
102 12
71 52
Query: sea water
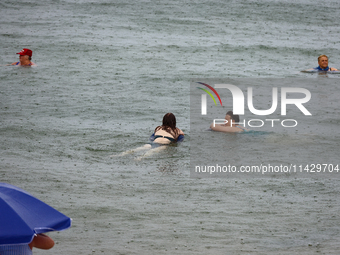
107 72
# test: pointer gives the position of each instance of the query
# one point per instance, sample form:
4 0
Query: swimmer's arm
223 128
15 63
180 132
216 127
307 70
333 69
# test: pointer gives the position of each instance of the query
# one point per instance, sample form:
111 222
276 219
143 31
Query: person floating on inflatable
323 65
168 132
230 125
163 135
25 57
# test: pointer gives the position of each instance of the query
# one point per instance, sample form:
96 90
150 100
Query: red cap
25 52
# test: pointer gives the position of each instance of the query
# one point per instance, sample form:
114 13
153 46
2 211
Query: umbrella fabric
22 216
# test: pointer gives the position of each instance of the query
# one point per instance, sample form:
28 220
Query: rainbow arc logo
204 97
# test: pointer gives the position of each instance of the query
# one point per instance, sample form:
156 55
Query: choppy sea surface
107 72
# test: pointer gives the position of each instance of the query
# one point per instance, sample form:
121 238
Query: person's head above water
231 116
25 52
25 57
231 125
323 61
169 120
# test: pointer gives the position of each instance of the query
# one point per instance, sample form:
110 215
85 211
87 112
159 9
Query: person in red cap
24 58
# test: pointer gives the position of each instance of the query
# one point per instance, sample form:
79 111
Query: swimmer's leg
142 148
152 152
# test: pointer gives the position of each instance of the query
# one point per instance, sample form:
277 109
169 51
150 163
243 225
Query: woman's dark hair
235 118
30 58
169 124
230 113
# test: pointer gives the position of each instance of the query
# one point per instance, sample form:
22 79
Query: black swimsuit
167 137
